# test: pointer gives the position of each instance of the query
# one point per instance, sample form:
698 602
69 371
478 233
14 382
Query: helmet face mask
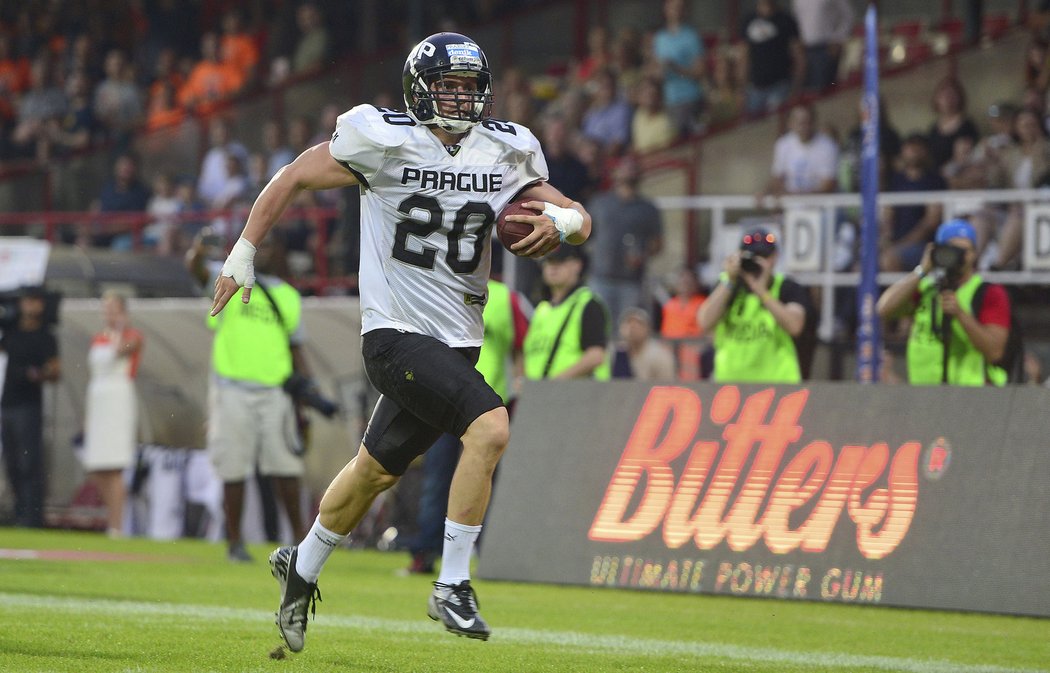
437 83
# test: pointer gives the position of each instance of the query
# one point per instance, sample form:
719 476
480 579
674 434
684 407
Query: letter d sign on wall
802 239
1037 237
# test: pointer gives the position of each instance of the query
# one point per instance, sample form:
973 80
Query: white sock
455 556
314 550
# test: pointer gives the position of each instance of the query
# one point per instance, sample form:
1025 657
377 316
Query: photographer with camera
960 324
756 315
259 384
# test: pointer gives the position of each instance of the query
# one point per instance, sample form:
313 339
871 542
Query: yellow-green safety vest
250 343
750 347
547 321
967 366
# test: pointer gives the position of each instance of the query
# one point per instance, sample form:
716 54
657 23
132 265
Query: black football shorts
427 388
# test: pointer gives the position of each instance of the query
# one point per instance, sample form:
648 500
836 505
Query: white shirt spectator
823 21
804 166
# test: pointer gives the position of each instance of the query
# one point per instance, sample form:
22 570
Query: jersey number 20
480 211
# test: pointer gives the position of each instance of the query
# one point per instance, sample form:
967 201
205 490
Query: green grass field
180 606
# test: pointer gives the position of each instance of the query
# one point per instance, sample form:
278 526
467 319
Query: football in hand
510 233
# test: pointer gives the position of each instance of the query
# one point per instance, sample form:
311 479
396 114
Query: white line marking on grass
619 644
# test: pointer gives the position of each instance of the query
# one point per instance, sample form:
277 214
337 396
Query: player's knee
491 430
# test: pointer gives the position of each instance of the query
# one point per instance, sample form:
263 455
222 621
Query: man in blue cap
960 324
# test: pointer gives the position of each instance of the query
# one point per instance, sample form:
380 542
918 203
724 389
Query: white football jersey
426 217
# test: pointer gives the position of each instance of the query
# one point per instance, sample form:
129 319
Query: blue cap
956 229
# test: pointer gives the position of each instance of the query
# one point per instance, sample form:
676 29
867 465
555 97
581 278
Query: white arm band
567 221
240 265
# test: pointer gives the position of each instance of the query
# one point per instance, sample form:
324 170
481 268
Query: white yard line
619 644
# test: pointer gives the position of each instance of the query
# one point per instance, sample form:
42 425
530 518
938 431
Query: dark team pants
427 388
22 430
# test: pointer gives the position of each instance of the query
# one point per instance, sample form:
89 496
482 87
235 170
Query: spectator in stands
725 97
325 123
166 72
32 361
631 233
311 50
124 193
111 413
277 153
640 355
567 172
257 347
238 48
680 324
850 157
300 131
950 120
42 104
905 230
597 59
756 315
163 111
211 79
774 59
651 127
118 102
14 79
805 160
569 332
824 26
235 188
951 307
1001 116
1022 165
83 56
628 62
607 120
678 53
74 131
971 169
163 207
214 172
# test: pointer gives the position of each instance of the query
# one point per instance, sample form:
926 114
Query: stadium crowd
93 74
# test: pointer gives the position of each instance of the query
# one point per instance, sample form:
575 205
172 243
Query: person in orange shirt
679 322
237 47
163 111
211 79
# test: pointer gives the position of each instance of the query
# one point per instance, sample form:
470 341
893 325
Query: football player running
433 179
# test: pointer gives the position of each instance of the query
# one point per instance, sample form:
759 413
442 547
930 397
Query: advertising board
893 495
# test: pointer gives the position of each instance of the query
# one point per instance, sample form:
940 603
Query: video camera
304 391
947 262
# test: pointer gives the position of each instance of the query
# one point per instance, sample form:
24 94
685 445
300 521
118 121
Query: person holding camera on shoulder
960 324
259 382
756 315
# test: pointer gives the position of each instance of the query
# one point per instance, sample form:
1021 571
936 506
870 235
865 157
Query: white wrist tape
567 221
240 265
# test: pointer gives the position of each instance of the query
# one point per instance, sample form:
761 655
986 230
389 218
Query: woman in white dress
111 423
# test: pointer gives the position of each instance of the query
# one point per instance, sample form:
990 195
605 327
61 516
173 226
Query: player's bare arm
547 233
313 169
